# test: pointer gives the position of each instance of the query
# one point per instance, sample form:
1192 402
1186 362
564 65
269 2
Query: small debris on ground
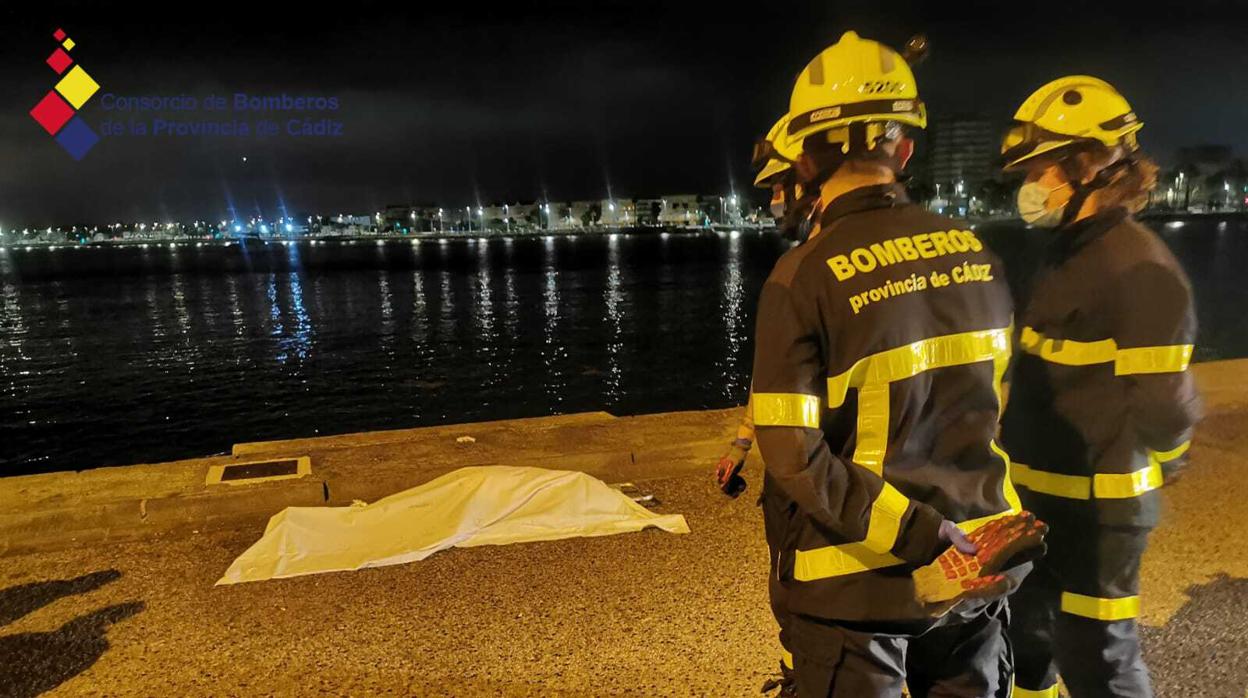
637 495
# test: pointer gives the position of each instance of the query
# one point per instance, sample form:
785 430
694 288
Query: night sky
465 102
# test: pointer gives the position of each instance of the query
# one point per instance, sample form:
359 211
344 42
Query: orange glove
728 469
956 575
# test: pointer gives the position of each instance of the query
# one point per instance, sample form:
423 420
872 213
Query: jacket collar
863 199
1077 235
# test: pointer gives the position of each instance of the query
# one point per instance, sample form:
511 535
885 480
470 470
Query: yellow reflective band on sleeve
1100 609
885 523
1067 352
1050 692
872 435
1160 457
852 558
839 560
1110 486
1068 486
1167 359
1173 358
786 410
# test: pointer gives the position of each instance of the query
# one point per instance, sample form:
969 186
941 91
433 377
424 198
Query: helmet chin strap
796 212
1082 190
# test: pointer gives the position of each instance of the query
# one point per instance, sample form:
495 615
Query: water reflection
301 337
486 343
13 359
553 351
497 329
236 311
153 313
64 316
184 347
276 328
420 309
612 298
386 336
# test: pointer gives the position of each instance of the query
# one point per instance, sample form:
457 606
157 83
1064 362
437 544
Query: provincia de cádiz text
238 115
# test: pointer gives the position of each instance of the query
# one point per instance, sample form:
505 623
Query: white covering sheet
491 505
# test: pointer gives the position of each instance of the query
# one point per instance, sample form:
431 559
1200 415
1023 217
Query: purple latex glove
951 534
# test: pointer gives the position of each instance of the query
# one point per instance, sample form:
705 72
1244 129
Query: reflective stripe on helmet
876 110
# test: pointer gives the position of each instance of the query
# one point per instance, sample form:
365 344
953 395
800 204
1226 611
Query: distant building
680 209
648 211
962 151
583 214
618 213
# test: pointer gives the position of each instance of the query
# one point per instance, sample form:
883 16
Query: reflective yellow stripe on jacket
851 558
1050 692
1100 485
1068 352
872 375
785 410
1100 609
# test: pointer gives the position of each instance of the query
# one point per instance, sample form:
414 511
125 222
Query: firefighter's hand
1000 544
728 469
951 534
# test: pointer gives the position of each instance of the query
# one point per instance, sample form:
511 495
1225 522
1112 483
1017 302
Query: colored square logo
77 138
58 34
77 87
52 112
69 44
59 60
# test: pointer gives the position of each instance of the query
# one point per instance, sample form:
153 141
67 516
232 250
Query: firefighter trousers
1075 614
955 658
775 517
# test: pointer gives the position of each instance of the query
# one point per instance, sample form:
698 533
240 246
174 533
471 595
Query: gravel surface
646 614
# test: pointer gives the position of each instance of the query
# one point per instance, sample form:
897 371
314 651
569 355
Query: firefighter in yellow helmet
792 208
1101 403
879 350
791 202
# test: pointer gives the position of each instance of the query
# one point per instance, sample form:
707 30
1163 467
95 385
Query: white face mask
1032 197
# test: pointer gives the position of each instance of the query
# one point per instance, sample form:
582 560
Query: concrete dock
106 579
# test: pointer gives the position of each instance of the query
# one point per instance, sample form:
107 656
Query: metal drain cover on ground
250 472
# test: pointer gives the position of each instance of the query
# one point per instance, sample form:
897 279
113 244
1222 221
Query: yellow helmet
1066 111
773 155
850 82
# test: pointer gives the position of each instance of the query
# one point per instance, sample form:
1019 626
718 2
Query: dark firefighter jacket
1101 402
880 348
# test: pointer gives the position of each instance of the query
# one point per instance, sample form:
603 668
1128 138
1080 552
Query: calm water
111 356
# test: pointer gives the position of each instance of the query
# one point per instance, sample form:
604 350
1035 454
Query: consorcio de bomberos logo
58 111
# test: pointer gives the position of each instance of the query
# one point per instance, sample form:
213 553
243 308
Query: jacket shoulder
1132 244
787 267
